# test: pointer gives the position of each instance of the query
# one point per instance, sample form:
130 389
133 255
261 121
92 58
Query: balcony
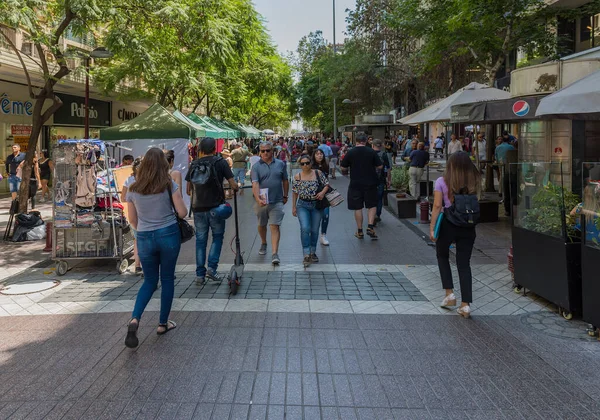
549 77
86 40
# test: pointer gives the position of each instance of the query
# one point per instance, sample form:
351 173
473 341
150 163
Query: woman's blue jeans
310 221
325 221
158 251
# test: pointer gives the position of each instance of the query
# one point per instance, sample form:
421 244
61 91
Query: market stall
88 219
156 127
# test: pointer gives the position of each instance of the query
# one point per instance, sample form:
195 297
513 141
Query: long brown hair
323 167
461 175
152 176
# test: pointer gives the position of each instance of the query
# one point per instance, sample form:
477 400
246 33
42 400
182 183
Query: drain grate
552 324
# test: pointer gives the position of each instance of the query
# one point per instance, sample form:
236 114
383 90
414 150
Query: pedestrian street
358 335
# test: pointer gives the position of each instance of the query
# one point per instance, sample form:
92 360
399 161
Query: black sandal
166 327
131 340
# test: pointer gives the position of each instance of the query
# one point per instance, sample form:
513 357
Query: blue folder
438 224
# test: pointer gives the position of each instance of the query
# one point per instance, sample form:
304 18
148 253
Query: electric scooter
236 272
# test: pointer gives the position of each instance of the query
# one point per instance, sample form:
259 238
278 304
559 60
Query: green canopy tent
244 132
209 131
255 132
154 123
208 122
219 132
239 132
233 134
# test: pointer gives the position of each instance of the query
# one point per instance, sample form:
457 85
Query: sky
289 20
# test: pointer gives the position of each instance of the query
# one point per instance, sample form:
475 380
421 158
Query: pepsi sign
521 108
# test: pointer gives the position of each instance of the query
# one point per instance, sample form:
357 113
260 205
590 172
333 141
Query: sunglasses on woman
304 163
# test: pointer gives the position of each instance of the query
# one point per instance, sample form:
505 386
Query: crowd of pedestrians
153 193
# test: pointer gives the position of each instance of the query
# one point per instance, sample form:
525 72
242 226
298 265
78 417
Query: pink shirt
440 185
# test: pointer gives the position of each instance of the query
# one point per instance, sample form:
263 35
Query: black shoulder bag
324 203
187 231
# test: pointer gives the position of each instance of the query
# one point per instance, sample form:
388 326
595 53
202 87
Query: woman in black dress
46 167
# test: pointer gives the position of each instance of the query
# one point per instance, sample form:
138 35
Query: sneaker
314 258
324 240
213 276
464 311
200 281
138 271
449 300
275 259
263 249
372 234
377 219
306 261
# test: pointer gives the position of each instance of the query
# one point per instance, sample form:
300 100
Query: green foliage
400 178
485 30
545 215
214 54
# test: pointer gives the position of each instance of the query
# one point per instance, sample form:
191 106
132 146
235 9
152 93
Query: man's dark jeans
380 192
203 221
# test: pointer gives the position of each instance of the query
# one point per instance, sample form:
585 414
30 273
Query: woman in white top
175 174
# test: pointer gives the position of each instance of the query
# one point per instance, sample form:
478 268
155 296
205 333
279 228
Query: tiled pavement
294 366
325 343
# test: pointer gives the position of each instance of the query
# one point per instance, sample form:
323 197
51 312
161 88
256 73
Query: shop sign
10 107
20 130
521 108
72 112
125 115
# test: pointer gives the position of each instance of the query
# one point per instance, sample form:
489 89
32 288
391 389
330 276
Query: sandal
372 234
131 340
170 325
359 235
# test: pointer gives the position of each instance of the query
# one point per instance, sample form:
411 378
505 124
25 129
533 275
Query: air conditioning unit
27 48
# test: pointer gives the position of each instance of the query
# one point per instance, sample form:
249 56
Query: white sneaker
464 311
324 240
449 300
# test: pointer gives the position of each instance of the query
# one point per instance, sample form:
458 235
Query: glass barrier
587 213
542 202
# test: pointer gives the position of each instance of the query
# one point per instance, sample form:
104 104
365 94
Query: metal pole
334 98
87 99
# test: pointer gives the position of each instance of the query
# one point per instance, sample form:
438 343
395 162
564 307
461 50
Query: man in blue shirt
270 186
325 149
500 154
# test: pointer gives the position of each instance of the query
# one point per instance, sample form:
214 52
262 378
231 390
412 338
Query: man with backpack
383 175
205 186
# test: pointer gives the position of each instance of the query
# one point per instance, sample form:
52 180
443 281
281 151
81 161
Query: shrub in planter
545 215
400 178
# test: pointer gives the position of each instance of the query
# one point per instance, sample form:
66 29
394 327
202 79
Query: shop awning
440 111
580 100
154 123
506 110
200 130
215 131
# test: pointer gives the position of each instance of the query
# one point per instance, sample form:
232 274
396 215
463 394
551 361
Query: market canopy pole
334 97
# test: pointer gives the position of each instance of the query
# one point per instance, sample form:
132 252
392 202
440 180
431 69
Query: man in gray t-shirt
270 187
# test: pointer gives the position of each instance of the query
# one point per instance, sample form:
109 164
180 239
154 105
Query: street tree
46 22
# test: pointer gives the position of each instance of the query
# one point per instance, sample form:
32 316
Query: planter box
590 286
549 267
489 211
404 208
385 196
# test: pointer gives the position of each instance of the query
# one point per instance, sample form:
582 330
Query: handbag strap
172 203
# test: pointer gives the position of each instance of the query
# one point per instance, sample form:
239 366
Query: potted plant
402 205
400 180
547 247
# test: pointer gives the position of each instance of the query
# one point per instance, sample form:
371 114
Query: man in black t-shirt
363 163
207 196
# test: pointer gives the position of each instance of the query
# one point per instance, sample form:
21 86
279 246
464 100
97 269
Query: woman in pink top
460 175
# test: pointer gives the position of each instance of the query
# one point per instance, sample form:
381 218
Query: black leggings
464 239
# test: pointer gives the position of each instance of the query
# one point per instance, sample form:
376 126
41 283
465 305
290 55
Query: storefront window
61 133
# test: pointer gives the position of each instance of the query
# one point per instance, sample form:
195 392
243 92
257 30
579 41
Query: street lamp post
99 52
334 98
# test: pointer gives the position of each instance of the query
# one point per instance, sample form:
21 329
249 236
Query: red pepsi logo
520 108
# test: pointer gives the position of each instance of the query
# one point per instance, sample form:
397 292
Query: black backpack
207 187
464 211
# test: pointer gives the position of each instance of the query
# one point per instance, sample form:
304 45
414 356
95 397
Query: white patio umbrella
579 100
440 111
268 132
